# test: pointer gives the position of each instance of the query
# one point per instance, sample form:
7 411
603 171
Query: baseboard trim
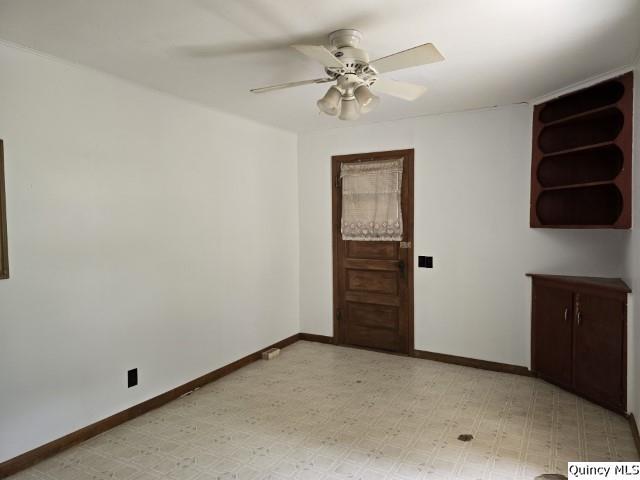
438 357
312 337
474 363
634 430
27 459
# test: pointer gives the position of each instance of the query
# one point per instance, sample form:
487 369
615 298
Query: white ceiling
213 51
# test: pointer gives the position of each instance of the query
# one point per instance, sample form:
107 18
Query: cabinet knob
579 317
566 313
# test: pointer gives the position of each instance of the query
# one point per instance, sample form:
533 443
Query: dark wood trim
634 431
4 251
14 465
410 259
336 201
624 359
335 227
312 337
600 283
474 363
377 350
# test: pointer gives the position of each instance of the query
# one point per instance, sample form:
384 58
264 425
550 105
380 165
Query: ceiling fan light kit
367 100
350 109
349 97
330 103
355 75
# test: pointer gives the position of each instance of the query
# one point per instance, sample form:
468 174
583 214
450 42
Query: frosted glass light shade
367 100
330 103
350 109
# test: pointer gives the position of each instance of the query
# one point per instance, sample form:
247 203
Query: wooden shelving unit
581 158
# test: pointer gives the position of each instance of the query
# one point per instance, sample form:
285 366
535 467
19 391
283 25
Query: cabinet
578 336
581 158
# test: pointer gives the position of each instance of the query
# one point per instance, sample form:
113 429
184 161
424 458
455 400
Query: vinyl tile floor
325 412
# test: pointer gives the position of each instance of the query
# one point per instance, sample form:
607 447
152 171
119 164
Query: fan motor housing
345 38
344 45
352 55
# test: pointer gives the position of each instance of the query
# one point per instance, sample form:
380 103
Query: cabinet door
552 333
599 361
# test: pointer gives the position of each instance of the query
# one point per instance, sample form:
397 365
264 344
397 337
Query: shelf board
578 149
577 185
572 226
616 284
578 115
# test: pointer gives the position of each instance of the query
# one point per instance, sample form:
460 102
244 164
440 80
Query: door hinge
338 182
338 314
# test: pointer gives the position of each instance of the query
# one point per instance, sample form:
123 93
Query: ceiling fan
354 74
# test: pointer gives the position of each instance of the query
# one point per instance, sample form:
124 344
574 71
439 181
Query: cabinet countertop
615 284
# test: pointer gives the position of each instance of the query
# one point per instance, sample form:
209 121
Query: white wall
472 174
633 264
144 232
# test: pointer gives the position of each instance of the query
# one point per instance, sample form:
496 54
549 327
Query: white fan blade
290 84
413 57
319 54
404 90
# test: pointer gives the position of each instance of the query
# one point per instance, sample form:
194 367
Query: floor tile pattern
325 412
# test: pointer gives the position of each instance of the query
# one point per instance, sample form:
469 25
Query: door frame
407 235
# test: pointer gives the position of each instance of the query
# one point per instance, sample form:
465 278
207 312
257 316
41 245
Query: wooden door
600 349
552 333
373 281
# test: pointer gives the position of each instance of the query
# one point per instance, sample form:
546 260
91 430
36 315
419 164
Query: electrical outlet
132 378
425 262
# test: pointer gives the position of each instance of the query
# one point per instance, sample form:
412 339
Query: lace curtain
371 200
